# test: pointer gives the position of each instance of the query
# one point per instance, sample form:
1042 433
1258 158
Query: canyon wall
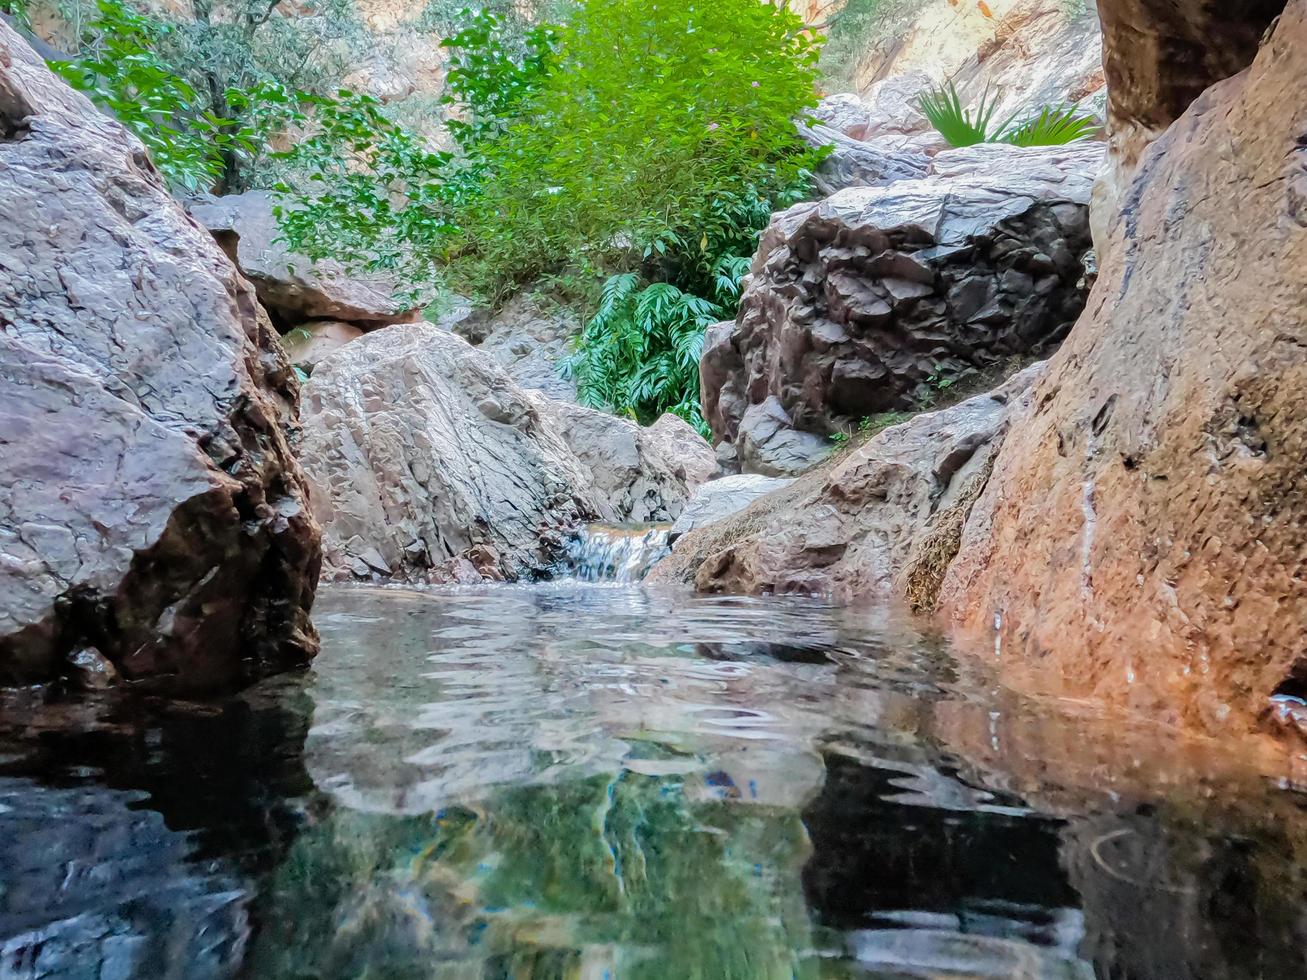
1142 536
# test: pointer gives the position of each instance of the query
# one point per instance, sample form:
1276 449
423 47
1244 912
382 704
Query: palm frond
1052 126
960 126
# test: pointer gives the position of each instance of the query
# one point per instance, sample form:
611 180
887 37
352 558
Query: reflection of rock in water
127 838
94 889
1166 900
624 876
978 883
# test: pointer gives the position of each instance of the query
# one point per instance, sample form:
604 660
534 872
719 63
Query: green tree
659 127
121 70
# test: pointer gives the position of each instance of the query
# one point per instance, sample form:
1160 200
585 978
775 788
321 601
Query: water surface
593 781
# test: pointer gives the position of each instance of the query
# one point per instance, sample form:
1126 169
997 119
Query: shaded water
591 781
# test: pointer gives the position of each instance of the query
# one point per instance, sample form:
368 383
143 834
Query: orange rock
1143 537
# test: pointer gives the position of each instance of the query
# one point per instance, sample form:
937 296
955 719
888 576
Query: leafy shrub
639 354
959 126
657 122
648 143
1050 126
121 71
378 198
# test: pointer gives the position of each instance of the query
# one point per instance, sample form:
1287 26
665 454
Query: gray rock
719 499
857 164
870 300
528 337
150 507
310 342
768 443
884 519
428 460
636 474
293 287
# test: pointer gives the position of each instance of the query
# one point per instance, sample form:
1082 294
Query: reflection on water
591 781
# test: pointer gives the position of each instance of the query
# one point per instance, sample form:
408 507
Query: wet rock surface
882 520
292 287
719 499
1142 536
151 513
426 456
876 299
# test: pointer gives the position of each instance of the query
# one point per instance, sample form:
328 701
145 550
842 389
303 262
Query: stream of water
589 780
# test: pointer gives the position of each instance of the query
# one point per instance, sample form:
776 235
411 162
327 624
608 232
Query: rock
869 301
855 164
150 507
1141 539
528 336
1029 53
845 113
292 287
891 107
877 522
720 499
310 342
1157 61
768 444
428 460
636 474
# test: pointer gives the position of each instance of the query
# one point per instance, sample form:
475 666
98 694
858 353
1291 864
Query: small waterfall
601 553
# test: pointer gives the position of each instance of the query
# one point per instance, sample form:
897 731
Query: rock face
882 521
1143 535
1157 59
292 287
853 163
1031 52
429 462
151 513
873 299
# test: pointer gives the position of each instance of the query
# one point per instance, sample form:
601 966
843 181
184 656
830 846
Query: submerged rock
150 508
293 287
423 453
878 298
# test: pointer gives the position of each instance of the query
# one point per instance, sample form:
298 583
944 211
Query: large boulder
877 298
292 287
879 521
154 525
1142 537
426 456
